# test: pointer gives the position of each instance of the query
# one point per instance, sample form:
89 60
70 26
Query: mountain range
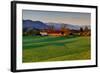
58 26
34 24
41 25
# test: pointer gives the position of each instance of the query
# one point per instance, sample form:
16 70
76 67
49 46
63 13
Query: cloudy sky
57 17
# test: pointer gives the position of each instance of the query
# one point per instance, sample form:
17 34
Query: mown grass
51 48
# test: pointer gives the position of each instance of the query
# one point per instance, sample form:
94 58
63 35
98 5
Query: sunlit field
53 48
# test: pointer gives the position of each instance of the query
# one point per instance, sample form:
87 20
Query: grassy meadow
53 48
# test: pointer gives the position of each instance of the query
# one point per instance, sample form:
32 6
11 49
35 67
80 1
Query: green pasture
53 48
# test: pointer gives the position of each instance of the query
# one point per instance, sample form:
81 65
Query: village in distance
38 28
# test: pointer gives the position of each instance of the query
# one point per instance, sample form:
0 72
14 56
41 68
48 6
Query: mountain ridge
41 25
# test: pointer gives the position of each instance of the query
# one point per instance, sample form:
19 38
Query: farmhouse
55 33
43 33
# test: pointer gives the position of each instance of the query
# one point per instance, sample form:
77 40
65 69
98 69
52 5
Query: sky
58 17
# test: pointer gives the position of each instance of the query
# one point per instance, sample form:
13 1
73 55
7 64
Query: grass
52 48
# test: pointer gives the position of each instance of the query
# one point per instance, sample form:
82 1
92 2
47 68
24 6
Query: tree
86 28
81 29
65 31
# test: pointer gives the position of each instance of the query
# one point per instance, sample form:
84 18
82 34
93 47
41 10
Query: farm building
54 33
63 32
43 33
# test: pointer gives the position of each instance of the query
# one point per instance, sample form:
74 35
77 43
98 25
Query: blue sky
57 17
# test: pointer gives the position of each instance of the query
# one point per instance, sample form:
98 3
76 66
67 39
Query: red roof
55 32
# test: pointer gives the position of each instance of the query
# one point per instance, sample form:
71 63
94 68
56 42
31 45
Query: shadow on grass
50 42
46 38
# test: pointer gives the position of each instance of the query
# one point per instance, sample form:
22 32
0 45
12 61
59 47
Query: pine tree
81 29
86 28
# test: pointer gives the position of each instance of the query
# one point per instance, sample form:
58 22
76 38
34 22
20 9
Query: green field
52 48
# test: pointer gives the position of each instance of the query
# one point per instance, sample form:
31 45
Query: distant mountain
74 27
39 25
34 24
29 29
58 26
